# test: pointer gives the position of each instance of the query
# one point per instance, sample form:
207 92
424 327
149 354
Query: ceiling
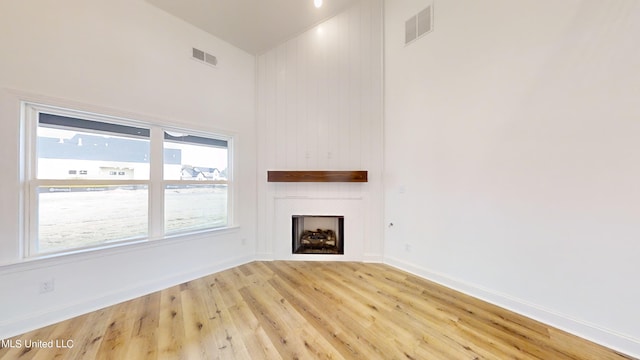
253 25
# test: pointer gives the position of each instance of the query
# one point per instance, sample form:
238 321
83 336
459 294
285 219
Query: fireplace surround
279 225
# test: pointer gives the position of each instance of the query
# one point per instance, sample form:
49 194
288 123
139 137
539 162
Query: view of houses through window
190 204
91 182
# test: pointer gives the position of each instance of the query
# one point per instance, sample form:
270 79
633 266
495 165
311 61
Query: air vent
418 25
205 57
198 54
410 30
424 21
210 59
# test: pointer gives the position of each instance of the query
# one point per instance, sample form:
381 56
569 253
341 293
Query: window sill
47 260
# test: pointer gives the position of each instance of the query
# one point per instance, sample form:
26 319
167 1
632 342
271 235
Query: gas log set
327 238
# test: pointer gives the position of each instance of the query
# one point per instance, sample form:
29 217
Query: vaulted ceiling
253 25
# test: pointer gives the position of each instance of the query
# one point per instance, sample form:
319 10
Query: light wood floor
307 310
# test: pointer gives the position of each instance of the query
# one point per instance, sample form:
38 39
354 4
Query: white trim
372 258
29 121
23 196
265 257
620 342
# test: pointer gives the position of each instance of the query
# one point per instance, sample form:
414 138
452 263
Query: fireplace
317 234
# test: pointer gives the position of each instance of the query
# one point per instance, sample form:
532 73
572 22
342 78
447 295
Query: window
138 181
195 174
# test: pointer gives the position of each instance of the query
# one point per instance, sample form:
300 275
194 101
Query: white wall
320 108
123 58
511 152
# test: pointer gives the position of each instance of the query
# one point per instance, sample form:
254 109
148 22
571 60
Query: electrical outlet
244 241
47 286
407 247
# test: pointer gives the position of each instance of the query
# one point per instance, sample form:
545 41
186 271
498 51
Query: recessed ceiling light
317 3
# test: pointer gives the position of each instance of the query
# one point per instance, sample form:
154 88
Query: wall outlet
47 286
407 247
244 241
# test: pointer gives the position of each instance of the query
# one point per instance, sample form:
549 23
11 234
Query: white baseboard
50 316
372 258
264 257
619 342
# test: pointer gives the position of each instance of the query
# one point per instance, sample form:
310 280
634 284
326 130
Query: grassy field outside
76 219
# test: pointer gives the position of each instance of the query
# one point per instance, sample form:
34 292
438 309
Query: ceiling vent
418 25
204 57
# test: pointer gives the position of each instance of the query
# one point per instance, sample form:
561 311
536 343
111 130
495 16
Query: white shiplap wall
320 108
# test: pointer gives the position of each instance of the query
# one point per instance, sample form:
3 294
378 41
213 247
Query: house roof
194 171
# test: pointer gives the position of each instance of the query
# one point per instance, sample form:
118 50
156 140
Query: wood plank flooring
305 310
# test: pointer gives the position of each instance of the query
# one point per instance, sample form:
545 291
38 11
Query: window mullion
156 187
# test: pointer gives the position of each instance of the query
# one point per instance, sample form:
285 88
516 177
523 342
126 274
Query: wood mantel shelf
317 176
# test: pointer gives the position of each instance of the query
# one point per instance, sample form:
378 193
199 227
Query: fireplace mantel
317 176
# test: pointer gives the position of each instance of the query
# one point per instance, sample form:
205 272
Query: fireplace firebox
317 234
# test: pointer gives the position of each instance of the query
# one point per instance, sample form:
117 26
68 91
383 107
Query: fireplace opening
317 234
